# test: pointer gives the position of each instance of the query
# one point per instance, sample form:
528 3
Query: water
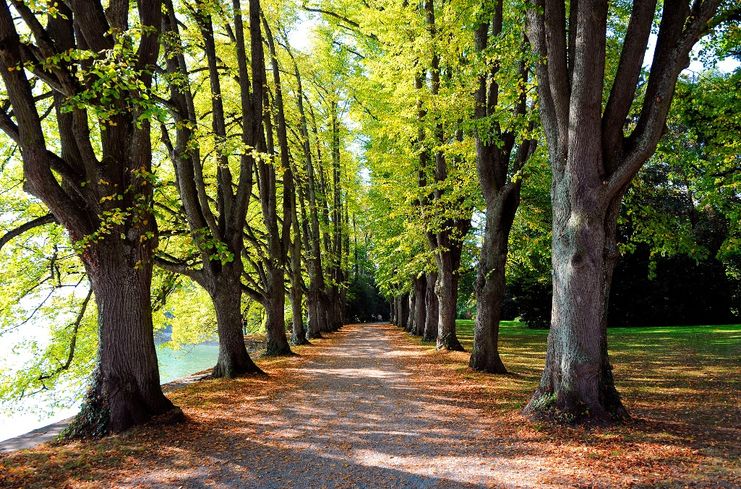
32 413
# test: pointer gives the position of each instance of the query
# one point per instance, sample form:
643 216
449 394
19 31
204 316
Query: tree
592 163
502 151
218 235
98 68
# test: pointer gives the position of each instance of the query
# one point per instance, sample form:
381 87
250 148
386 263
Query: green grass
704 340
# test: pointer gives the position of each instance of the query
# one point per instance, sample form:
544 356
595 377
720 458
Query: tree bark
411 306
490 281
431 308
403 311
226 293
446 289
126 385
577 381
298 331
275 324
420 309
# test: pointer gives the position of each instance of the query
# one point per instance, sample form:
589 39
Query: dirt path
359 418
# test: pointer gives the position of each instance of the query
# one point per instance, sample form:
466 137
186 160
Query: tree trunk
325 310
126 385
275 325
403 310
420 310
233 358
447 296
431 308
315 320
577 381
490 282
298 331
411 307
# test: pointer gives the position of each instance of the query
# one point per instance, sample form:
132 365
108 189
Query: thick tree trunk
447 296
275 324
325 310
126 385
577 382
334 309
490 282
233 358
431 308
420 309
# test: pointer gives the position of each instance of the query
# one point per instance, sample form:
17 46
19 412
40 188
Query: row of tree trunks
316 304
431 308
417 312
446 238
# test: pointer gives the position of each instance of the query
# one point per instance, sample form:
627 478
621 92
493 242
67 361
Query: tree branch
23 228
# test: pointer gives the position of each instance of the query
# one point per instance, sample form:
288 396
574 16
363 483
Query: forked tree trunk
233 360
593 160
126 385
420 309
447 296
275 324
431 308
577 381
490 281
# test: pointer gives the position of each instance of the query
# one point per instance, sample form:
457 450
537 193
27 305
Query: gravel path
360 417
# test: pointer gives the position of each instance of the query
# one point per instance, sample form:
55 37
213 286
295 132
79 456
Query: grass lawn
693 366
